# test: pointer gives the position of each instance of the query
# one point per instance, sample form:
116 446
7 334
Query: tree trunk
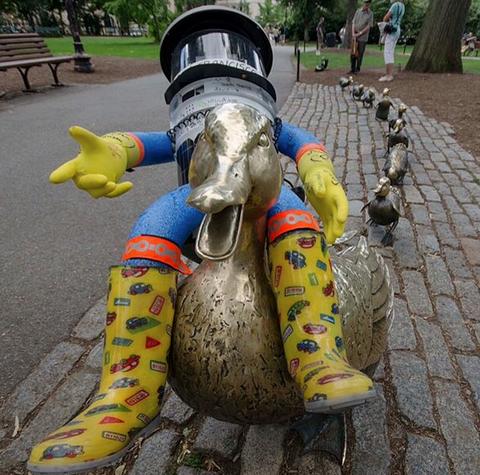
437 49
351 8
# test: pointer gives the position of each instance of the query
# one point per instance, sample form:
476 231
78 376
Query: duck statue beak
219 233
222 198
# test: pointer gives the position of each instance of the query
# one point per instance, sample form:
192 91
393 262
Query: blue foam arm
158 148
291 138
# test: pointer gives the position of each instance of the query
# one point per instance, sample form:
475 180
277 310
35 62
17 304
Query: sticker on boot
61 450
66 434
125 364
157 305
137 397
295 259
307 242
159 366
139 324
106 434
121 341
111 420
151 342
107 408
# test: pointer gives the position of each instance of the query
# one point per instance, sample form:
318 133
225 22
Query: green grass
340 58
141 47
132 47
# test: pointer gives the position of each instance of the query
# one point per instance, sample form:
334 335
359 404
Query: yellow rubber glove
100 163
324 192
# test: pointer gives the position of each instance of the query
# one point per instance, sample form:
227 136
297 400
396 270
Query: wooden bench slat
36 62
43 53
27 41
20 35
27 57
20 47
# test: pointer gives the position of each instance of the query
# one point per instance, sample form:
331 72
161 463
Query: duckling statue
397 135
396 164
357 92
383 106
384 208
368 97
322 66
345 82
402 108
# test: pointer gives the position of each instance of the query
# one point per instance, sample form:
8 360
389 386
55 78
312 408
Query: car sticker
140 324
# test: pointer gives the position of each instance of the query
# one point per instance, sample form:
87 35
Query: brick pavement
427 420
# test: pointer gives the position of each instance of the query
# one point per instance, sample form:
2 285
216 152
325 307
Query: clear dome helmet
213 55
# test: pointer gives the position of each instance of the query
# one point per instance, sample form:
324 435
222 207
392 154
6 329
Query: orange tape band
290 220
307 147
141 148
155 249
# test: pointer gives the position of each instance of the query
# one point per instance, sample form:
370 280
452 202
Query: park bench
469 52
26 50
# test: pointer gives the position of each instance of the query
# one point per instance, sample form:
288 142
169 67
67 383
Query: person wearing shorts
392 18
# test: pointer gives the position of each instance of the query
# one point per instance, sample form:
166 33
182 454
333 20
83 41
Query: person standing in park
341 34
320 33
361 24
392 19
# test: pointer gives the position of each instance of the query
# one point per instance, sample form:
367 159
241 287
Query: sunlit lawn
135 47
141 47
340 58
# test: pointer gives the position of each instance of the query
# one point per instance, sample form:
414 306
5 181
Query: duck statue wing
366 303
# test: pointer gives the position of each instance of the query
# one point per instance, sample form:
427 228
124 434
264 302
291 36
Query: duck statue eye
264 141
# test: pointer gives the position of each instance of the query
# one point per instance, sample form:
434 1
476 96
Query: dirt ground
452 98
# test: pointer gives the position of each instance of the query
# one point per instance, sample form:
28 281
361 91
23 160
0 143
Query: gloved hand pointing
100 163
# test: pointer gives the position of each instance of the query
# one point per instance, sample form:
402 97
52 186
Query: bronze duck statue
368 97
384 208
397 135
396 164
402 108
227 359
357 92
383 106
345 82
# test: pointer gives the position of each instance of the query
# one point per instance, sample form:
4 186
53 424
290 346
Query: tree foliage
184 5
244 6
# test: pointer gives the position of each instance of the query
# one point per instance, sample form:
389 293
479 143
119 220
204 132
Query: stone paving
426 420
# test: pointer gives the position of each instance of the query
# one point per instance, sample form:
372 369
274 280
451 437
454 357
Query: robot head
212 41
212 56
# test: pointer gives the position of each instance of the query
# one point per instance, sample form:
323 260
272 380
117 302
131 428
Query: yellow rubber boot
140 309
311 327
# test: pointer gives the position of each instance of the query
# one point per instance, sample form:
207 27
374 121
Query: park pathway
427 418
